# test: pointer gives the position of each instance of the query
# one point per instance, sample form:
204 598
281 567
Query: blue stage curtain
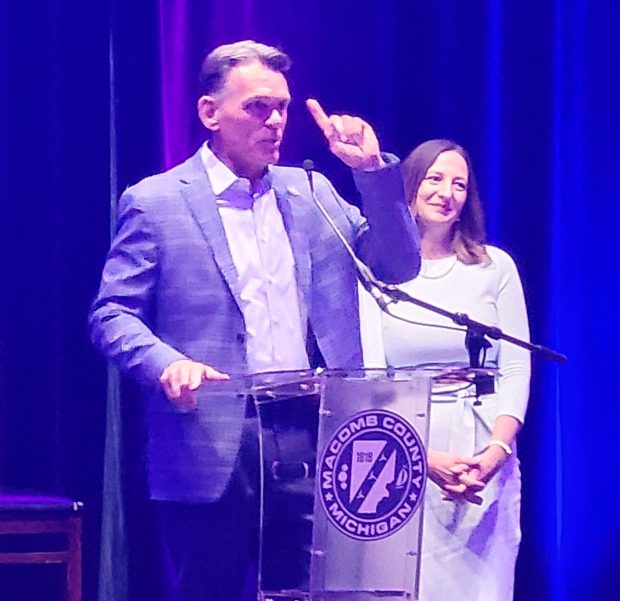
530 88
54 194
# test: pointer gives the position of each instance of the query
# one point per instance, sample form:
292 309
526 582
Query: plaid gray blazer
169 291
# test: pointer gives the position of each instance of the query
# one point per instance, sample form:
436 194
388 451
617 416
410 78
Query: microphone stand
476 332
475 337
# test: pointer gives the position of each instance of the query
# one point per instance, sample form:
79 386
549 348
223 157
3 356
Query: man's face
247 117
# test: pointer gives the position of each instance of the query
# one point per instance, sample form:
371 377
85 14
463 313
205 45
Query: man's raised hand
351 139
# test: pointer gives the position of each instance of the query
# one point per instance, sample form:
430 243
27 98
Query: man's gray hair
222 59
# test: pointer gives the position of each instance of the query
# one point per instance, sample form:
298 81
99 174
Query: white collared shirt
262 255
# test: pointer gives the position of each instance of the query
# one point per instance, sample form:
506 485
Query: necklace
429 275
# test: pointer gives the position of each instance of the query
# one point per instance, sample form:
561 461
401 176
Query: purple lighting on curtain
187 31
248 12
175 80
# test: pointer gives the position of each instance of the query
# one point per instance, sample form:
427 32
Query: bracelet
502 445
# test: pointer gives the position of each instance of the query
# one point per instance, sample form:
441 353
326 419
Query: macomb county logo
372 475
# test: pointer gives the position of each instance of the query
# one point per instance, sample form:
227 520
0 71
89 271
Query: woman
471 514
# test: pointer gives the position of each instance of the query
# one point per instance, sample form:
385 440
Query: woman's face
443 191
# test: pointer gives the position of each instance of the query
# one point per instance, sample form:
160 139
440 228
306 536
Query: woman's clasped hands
463 478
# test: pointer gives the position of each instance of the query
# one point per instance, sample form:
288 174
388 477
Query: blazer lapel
202 203
295 215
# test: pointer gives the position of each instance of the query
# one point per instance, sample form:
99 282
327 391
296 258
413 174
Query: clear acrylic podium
343 472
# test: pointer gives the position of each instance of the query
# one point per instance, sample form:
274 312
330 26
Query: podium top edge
307 380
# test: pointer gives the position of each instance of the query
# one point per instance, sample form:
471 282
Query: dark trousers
212 548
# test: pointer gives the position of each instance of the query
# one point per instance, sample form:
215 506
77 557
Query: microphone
308 167
368 279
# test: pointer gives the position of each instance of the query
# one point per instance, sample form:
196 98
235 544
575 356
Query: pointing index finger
319 115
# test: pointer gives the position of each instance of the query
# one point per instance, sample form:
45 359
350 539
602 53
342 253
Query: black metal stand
476 331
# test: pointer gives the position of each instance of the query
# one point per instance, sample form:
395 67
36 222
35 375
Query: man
224 265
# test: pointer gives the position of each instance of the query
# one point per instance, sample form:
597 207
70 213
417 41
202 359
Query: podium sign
343 472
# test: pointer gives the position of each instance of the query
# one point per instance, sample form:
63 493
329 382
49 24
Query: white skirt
469 551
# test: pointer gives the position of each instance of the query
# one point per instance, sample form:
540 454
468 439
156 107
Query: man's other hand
182 378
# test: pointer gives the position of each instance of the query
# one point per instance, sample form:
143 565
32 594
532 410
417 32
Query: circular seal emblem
372 475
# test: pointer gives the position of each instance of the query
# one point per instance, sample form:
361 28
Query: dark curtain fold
531 89
54 190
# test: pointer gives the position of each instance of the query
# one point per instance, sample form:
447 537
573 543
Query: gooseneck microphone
374 286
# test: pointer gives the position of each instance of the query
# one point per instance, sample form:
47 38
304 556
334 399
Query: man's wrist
375 163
